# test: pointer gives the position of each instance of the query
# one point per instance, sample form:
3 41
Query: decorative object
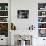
6 7
3 13
41 6
31 27
27 38
43 13
13 27
3 19
23 40
41 19
3 6
42 25
42 32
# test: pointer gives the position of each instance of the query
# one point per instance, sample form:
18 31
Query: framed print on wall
23 14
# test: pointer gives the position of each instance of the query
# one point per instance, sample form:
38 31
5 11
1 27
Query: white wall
32 6
23 24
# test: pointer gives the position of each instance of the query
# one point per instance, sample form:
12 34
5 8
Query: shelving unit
4 19
42 19
3 16
41 10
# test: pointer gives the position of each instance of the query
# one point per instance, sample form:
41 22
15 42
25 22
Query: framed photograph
23 14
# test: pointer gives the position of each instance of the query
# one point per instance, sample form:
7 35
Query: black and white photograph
23 14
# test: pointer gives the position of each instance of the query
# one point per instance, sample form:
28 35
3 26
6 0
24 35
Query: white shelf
41 28
41 10
3 16
3 10
3 22
41 22
42 16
